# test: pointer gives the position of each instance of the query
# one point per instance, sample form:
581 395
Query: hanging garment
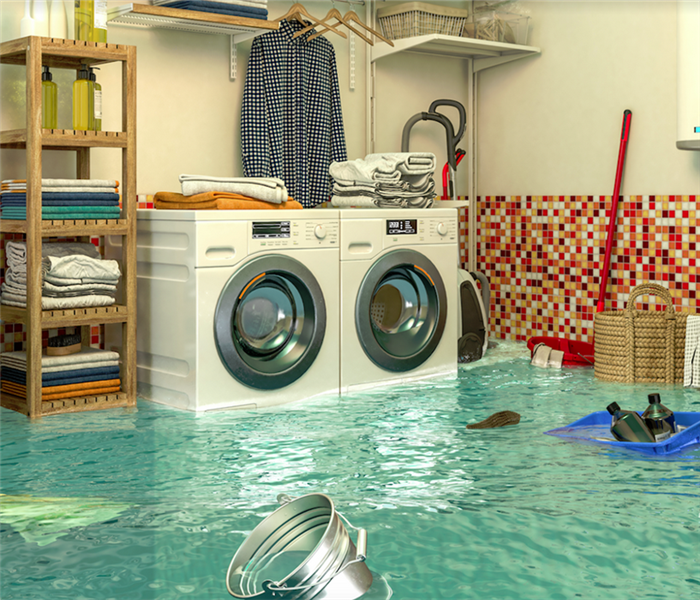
291 119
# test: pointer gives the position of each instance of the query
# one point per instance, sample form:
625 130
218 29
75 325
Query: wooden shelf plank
69 317
65 54
72 227
65 139
69 405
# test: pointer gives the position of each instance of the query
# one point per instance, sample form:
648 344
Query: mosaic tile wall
543 255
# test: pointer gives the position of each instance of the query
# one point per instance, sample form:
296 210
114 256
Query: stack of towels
63 199
90 372
251 9
398 180
227 193
73 275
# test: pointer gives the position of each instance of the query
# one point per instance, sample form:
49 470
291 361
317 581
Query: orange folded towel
218 201
80 393
89 388
71 387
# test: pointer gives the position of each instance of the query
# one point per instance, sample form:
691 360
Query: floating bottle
97 102
83 101
628 426
99 26
49 101
659 419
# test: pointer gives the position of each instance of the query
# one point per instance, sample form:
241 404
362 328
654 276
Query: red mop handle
626 121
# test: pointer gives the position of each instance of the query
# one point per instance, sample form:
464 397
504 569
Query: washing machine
398 295
237 309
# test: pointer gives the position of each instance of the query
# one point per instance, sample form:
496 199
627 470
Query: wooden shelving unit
34 52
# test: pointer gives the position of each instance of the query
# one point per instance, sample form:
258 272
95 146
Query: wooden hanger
335 14
297 11
352 16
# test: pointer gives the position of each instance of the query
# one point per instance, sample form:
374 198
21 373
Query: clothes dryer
237 309
398 295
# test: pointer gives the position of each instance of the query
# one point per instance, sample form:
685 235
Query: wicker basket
641 346
419 18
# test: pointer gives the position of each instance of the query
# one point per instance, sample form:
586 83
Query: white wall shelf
145 15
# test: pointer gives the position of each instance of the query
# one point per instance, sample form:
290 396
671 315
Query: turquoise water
154 503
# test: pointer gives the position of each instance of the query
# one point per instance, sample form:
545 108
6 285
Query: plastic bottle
58 25
628 426
99 26
84 18
83 101
26 25
49 101
659 419
98 99
40 12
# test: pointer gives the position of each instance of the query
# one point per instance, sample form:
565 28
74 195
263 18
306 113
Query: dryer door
269 322
401 310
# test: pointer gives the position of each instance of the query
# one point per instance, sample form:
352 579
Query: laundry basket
420 18
641 345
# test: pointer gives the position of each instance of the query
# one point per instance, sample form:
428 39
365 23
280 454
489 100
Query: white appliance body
237 309
688 76
398 295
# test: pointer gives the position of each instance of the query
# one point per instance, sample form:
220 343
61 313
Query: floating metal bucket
299 552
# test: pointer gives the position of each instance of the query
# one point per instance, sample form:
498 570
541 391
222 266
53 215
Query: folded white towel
346 201
17 252
383 166
59 303
86 355
82 267
268 189
691 372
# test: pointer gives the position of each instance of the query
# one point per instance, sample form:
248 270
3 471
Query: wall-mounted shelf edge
145 15
483 52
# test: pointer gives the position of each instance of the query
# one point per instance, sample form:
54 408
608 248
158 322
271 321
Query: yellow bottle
98 99
83 101
99 24
84 19
49 101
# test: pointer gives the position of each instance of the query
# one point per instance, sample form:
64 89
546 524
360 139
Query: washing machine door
401 310
269 322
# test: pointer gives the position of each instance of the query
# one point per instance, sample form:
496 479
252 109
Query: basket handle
650 289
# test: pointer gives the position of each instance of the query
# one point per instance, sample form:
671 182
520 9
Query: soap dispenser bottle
97 99
83 101
49 101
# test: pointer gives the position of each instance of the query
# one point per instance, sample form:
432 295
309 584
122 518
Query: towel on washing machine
218 201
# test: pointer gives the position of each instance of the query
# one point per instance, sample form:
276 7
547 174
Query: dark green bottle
659 419
628 426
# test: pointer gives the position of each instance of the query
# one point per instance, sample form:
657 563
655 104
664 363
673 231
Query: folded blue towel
64 196
62 377
234 10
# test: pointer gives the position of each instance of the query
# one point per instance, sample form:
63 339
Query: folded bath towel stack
399 180
73 276
250 9
200 192
89 372
63 199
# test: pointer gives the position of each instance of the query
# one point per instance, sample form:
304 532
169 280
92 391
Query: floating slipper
499 419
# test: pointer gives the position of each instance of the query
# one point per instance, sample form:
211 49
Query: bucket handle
360 556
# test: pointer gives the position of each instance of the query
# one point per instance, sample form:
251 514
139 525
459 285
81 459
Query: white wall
547 125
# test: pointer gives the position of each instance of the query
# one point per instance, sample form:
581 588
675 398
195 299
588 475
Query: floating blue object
596 428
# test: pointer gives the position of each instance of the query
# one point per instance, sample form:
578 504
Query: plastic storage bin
509 28
596 428
419 18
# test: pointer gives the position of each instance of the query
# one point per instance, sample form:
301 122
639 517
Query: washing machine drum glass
401 310
270 322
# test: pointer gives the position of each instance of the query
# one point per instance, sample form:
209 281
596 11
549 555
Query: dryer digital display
402 227
270 229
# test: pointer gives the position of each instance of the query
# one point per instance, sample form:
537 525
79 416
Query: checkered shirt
291 120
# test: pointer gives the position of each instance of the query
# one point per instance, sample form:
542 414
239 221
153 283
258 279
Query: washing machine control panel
426 230
267 235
